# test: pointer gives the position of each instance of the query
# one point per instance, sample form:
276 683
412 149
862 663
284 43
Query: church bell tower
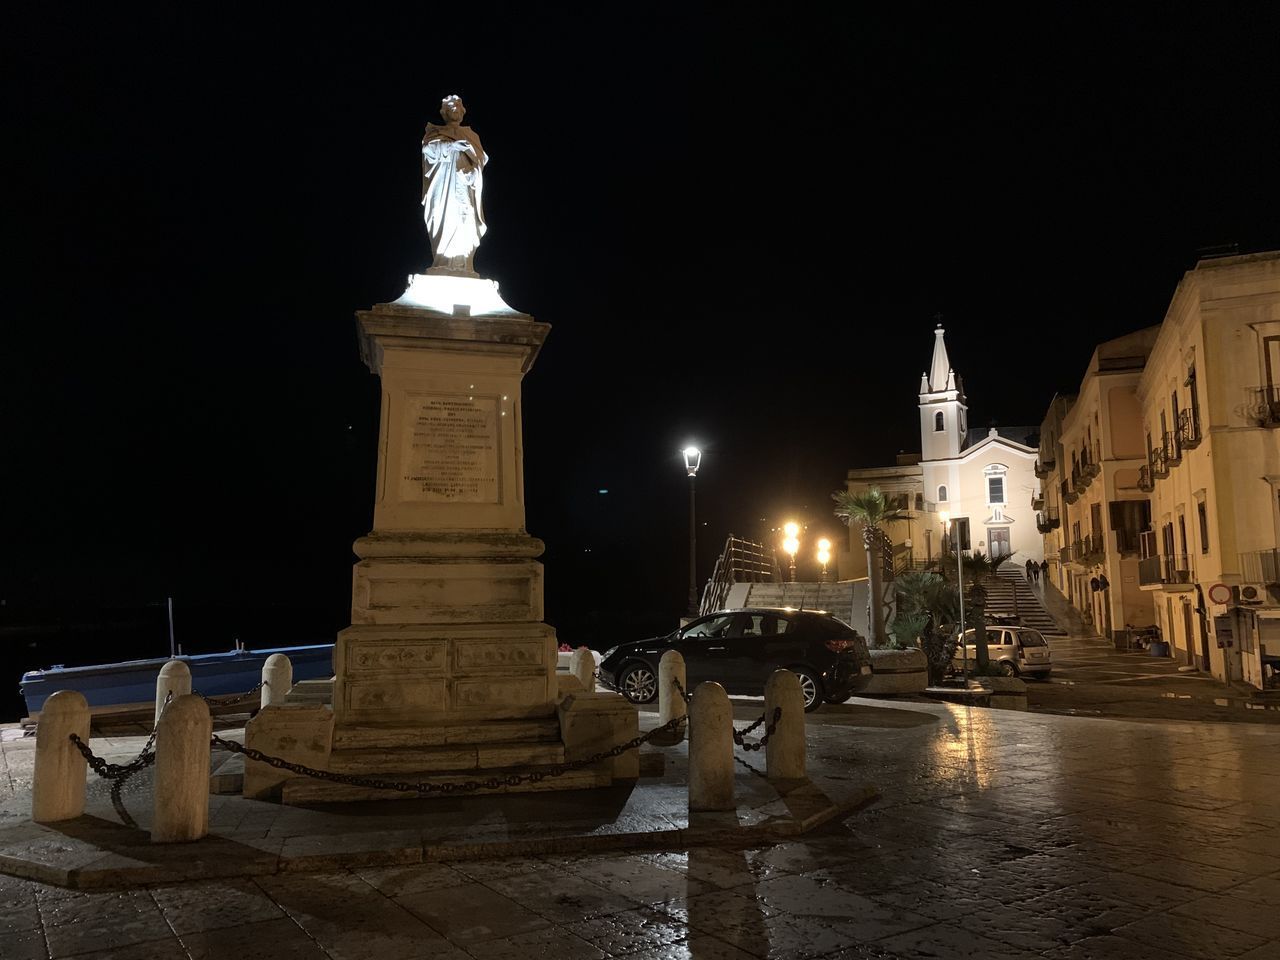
944 417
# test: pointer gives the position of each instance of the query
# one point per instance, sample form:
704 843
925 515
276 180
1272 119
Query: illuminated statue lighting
453 162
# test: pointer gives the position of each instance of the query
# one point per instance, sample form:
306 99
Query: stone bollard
57 786
784 753
175 678
182 771
710 749
671 702
583 666
277 679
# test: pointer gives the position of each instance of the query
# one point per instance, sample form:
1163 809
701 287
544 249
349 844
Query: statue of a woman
452 183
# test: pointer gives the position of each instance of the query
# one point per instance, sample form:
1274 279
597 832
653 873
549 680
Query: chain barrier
465 786
740 736
687 697
224 698
119 773
605 683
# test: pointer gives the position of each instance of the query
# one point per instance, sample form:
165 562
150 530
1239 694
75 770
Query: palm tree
926 601
871 508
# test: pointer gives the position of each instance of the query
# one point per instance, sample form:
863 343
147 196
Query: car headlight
608 653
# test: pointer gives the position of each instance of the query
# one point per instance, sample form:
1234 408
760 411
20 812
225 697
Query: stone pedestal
447 666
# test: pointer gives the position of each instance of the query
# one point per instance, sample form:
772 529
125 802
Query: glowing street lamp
791 545
692 460
946 522
824 556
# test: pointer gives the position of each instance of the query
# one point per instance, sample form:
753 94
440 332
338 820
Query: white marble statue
452 183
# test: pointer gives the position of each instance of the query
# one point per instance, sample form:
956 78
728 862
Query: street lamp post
824 556
692 460
946 522
791 544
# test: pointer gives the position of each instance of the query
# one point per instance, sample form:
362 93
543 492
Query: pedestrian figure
1044 568
1030 565
1035 571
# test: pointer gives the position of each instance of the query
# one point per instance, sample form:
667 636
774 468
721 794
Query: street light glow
792 530
692 459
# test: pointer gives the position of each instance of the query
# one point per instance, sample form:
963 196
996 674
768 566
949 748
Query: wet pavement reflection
998 835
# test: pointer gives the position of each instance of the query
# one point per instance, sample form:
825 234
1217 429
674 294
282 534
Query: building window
995 490
939 422
942 493
919 501
1204 526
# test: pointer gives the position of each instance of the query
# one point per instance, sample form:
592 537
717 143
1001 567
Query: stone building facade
1210 408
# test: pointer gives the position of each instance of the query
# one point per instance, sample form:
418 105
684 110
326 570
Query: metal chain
222 698
688 697
603 682
119 773
422 787
739 736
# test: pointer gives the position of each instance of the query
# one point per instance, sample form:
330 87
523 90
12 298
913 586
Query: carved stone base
405 591
437 673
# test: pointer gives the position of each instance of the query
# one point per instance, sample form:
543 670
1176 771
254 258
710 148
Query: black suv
739 649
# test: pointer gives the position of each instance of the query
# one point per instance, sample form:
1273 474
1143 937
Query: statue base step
305 790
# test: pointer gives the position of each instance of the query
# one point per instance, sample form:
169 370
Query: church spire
940 369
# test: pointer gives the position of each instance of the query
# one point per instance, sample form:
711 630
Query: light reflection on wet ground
999 834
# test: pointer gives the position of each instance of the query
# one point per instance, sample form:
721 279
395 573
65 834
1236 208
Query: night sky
739 226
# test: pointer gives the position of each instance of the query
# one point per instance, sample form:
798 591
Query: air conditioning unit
1250 593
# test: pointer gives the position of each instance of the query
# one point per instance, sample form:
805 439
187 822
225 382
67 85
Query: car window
713 627
1031 638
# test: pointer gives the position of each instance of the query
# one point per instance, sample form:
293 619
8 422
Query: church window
939 422
942 493
995 489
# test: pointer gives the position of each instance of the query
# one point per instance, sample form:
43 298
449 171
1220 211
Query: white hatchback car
1016 651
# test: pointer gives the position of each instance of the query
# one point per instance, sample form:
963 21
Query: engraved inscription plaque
451 451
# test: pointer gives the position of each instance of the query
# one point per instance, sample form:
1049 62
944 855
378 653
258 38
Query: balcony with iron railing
1047 519
1146 483
1037 500
1064 554
1087 551
1263 405
1167 571
1159 463
1090 463
1043 467
1172 449
1260 566
1189 429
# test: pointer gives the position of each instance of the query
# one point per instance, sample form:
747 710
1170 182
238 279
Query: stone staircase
1008 584
835 598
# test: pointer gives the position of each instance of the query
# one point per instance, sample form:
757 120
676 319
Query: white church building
983 479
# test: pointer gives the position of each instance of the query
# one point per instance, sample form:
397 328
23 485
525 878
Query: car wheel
638 683
1008 668
810 689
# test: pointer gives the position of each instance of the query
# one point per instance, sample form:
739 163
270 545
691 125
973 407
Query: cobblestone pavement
999 835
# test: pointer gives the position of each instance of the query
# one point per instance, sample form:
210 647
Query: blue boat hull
134 681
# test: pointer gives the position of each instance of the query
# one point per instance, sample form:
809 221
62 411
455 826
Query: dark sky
739 226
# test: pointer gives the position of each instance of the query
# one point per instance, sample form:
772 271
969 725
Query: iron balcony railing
1087 551
1146 483
1263 405
1164 569
1172 449
1260 566
1037 500
1044 466
1064 554
1189 429
1159 463
1047 519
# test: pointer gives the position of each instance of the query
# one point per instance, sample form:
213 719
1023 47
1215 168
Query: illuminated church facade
983 480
